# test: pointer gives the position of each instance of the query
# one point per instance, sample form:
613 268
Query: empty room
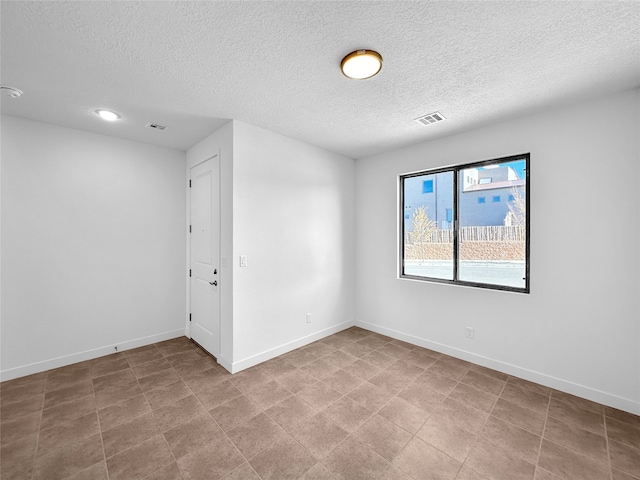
272 240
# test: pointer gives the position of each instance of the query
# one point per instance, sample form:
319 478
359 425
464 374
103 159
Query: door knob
214 283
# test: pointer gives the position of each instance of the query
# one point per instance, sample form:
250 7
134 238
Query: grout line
544 429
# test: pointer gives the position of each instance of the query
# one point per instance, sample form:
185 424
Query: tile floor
356 405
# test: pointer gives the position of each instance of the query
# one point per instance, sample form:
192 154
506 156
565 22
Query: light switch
243 260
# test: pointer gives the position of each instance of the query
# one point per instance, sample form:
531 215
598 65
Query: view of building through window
469 226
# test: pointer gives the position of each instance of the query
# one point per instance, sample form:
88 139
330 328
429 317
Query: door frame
187 329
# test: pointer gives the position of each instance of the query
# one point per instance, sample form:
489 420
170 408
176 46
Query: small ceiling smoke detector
434 117
11 92
157 126
361 64
107 115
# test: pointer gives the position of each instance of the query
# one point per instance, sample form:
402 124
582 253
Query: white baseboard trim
65 360
282 349
621 403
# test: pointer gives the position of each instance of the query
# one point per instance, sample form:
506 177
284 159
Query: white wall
293 217
93 244
579 329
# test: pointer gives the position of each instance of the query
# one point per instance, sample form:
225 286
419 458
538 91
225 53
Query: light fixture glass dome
361 64
107 115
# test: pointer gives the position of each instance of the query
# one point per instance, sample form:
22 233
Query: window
449 238
427 186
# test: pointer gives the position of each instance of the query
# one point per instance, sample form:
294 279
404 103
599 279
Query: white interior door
205 242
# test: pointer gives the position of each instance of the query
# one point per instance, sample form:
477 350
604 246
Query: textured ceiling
193 65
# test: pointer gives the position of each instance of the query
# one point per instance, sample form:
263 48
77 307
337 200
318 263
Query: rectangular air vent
156 126
434 117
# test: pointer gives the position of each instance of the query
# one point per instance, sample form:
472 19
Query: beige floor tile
449 438
624 458
517 414
296 380
342 381
68 460
473 397
266 395
218 394
235 412
568 464
167 394
482 382
351 460
446 369
67 433
623 432
512 439
526 397
118 413
403 414
347 413
168 472
421 396
284 460
128 434
382 436
319 435
580 440
318 472
255 435
497 464
419 457
320 368
370 396
319 395
26 425
192 435
68 411
585 419
211 462
291 412
141 460
243 472
176 413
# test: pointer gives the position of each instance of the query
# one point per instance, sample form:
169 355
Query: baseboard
63 361
236 367
598 396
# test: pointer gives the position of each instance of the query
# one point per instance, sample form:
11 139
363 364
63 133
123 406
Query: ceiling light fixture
11 92
107 115
361 64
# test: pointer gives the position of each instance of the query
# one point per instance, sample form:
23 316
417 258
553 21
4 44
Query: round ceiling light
11 92
107 115
361 64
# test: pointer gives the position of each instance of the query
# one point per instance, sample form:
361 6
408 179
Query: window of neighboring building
451 240
427 186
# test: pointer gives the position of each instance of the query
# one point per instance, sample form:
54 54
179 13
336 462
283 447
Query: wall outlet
308 318
243 260
470 332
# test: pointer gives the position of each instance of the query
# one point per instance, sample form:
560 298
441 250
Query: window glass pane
428 225
492 236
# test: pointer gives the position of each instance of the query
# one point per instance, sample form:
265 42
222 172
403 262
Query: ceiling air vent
434 117
156 126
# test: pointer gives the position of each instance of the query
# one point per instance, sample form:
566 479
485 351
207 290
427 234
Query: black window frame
456 169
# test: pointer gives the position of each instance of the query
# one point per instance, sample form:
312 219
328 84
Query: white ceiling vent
157 126
434 117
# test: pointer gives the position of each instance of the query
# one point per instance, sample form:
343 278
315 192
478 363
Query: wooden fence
490 233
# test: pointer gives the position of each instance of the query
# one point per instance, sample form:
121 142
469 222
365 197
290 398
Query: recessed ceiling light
361 64
107 115
11 92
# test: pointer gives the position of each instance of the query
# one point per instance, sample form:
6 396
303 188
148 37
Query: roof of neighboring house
493 185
